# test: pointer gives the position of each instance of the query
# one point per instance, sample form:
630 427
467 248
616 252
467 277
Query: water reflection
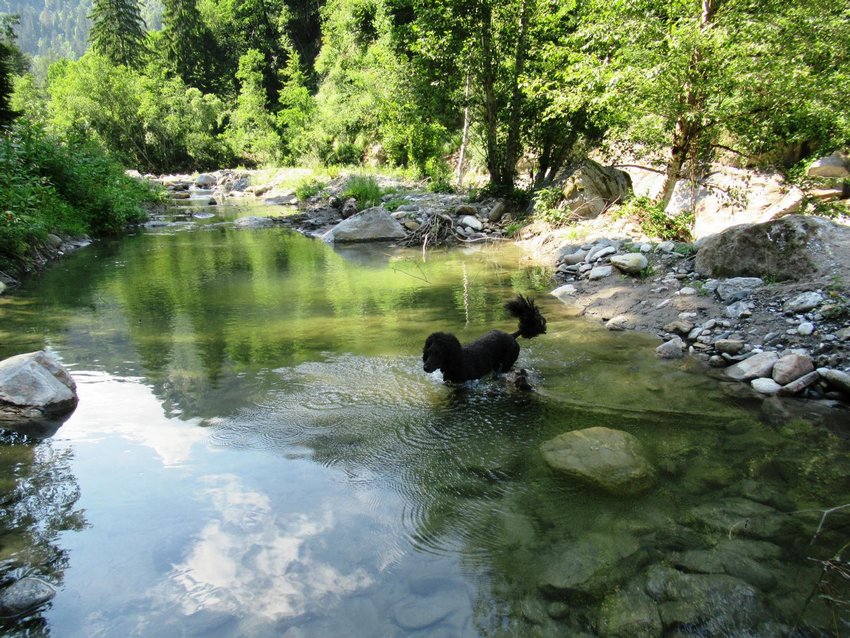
256 425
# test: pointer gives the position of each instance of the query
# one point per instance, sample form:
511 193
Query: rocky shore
764 303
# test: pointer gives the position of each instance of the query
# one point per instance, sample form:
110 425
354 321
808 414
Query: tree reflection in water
39 497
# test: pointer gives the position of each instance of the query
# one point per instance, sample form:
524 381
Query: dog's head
440 348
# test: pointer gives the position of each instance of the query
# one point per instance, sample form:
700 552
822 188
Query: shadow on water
295 365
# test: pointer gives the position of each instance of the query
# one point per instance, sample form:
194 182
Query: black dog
496 351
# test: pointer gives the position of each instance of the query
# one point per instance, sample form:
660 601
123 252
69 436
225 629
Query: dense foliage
517 88
59 186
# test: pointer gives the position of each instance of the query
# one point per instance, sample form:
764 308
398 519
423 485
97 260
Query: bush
364 189
62 186
655 222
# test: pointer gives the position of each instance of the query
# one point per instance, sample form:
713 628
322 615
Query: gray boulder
372 224
609 459
803 302
793 247
672 349
205 180
738 288
34 388
631 263
593 188
836 378
759 365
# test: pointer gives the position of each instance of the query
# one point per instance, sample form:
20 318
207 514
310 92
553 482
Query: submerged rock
24 596
590 566
35 391
629 613
610 459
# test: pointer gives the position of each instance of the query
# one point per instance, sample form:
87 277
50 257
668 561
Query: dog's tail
531 322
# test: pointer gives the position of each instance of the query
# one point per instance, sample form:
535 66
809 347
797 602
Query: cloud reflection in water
248 558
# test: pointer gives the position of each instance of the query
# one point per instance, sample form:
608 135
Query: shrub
365 190
655 222
65 186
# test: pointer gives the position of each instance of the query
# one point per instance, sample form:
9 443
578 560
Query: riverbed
257 451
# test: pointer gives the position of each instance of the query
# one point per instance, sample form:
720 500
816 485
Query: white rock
687 291
765 385
471 222
620 322
805 329
834 165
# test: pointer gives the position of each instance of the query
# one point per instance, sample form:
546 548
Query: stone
612 460
666 247
729 346
349 208
465 209
765 385
590 565
803 302
472 222
740 517
573 258
285 199
2 287
680 327
372 224
631 263
564 292
620 322
798 385
424 611
834 165
738 310
25 595
629 613
593 188
672 349
805 329
759 365
205 180
791 367
836 379
497 212
794 247
412 225
599 251
600 272
738 288
254 222
843 334
687 291
33 387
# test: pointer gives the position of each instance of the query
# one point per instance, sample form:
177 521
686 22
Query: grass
365 190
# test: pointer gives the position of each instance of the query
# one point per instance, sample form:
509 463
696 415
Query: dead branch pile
437 230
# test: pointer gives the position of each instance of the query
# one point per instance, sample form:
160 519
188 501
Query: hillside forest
513 91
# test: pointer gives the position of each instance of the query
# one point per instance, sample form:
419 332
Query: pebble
805 329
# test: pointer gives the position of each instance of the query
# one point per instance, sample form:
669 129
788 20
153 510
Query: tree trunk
689 127
465 137
512 144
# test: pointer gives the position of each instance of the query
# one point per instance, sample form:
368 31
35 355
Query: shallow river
257 452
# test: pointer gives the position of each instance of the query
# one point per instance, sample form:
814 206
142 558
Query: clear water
257 452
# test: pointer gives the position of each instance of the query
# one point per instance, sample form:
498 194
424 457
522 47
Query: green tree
296 108
251 132
693 76
190 49
118 31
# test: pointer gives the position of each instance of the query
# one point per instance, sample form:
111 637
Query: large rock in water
372 224
610 459
794 247
36 392
593 188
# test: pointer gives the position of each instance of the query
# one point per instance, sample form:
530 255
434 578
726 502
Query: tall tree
487 40
690 76
118 31
189 45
